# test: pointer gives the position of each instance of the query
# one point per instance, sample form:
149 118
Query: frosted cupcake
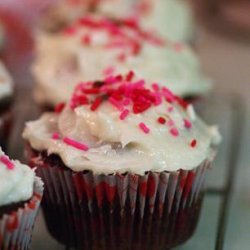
123 163
173 18
95 47
20 195
6 98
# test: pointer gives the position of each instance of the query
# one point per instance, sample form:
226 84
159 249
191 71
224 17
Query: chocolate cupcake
96 47
20 196
6 98
124 164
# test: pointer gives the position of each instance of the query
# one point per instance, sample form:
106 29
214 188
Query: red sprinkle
187 124
55 136
174 132
59 107
7 162
96 103
193 143
144 128
75 144
161 120
130 76
86 40
124 114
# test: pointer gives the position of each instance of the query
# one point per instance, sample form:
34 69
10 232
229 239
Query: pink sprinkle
75 144
144 128
174 132
110 79
7 162
187 124
70 31
126 102
55 136
155 87
115 103
168 94
109 71
178 47
170 109
170 123
139 83
124 114
158 100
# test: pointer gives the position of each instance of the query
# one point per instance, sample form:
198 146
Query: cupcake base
87 211
17 221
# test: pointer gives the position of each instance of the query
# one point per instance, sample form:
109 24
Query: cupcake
172 18
6 93
176 15
20 196
95 47
123 163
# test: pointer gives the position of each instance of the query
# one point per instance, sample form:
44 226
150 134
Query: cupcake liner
120 211
16 227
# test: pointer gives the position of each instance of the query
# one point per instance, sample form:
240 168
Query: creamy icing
124 134
6 83
85 53
172 18
16 180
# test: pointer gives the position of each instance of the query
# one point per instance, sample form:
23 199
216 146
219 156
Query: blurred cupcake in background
20 196
95 47
173 18
6 99
124 164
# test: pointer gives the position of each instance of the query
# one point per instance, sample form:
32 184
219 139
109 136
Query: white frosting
16 184
172 18
62 60
117 145
6 83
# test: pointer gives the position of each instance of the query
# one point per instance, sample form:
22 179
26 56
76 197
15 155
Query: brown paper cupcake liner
16 227
120 211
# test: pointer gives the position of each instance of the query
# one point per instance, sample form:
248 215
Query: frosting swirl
16 180
123 124
95 47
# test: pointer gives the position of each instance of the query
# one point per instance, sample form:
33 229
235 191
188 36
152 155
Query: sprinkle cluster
129 96
124 34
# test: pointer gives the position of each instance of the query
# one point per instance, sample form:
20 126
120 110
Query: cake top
16 180
112 46
6 83
123 124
